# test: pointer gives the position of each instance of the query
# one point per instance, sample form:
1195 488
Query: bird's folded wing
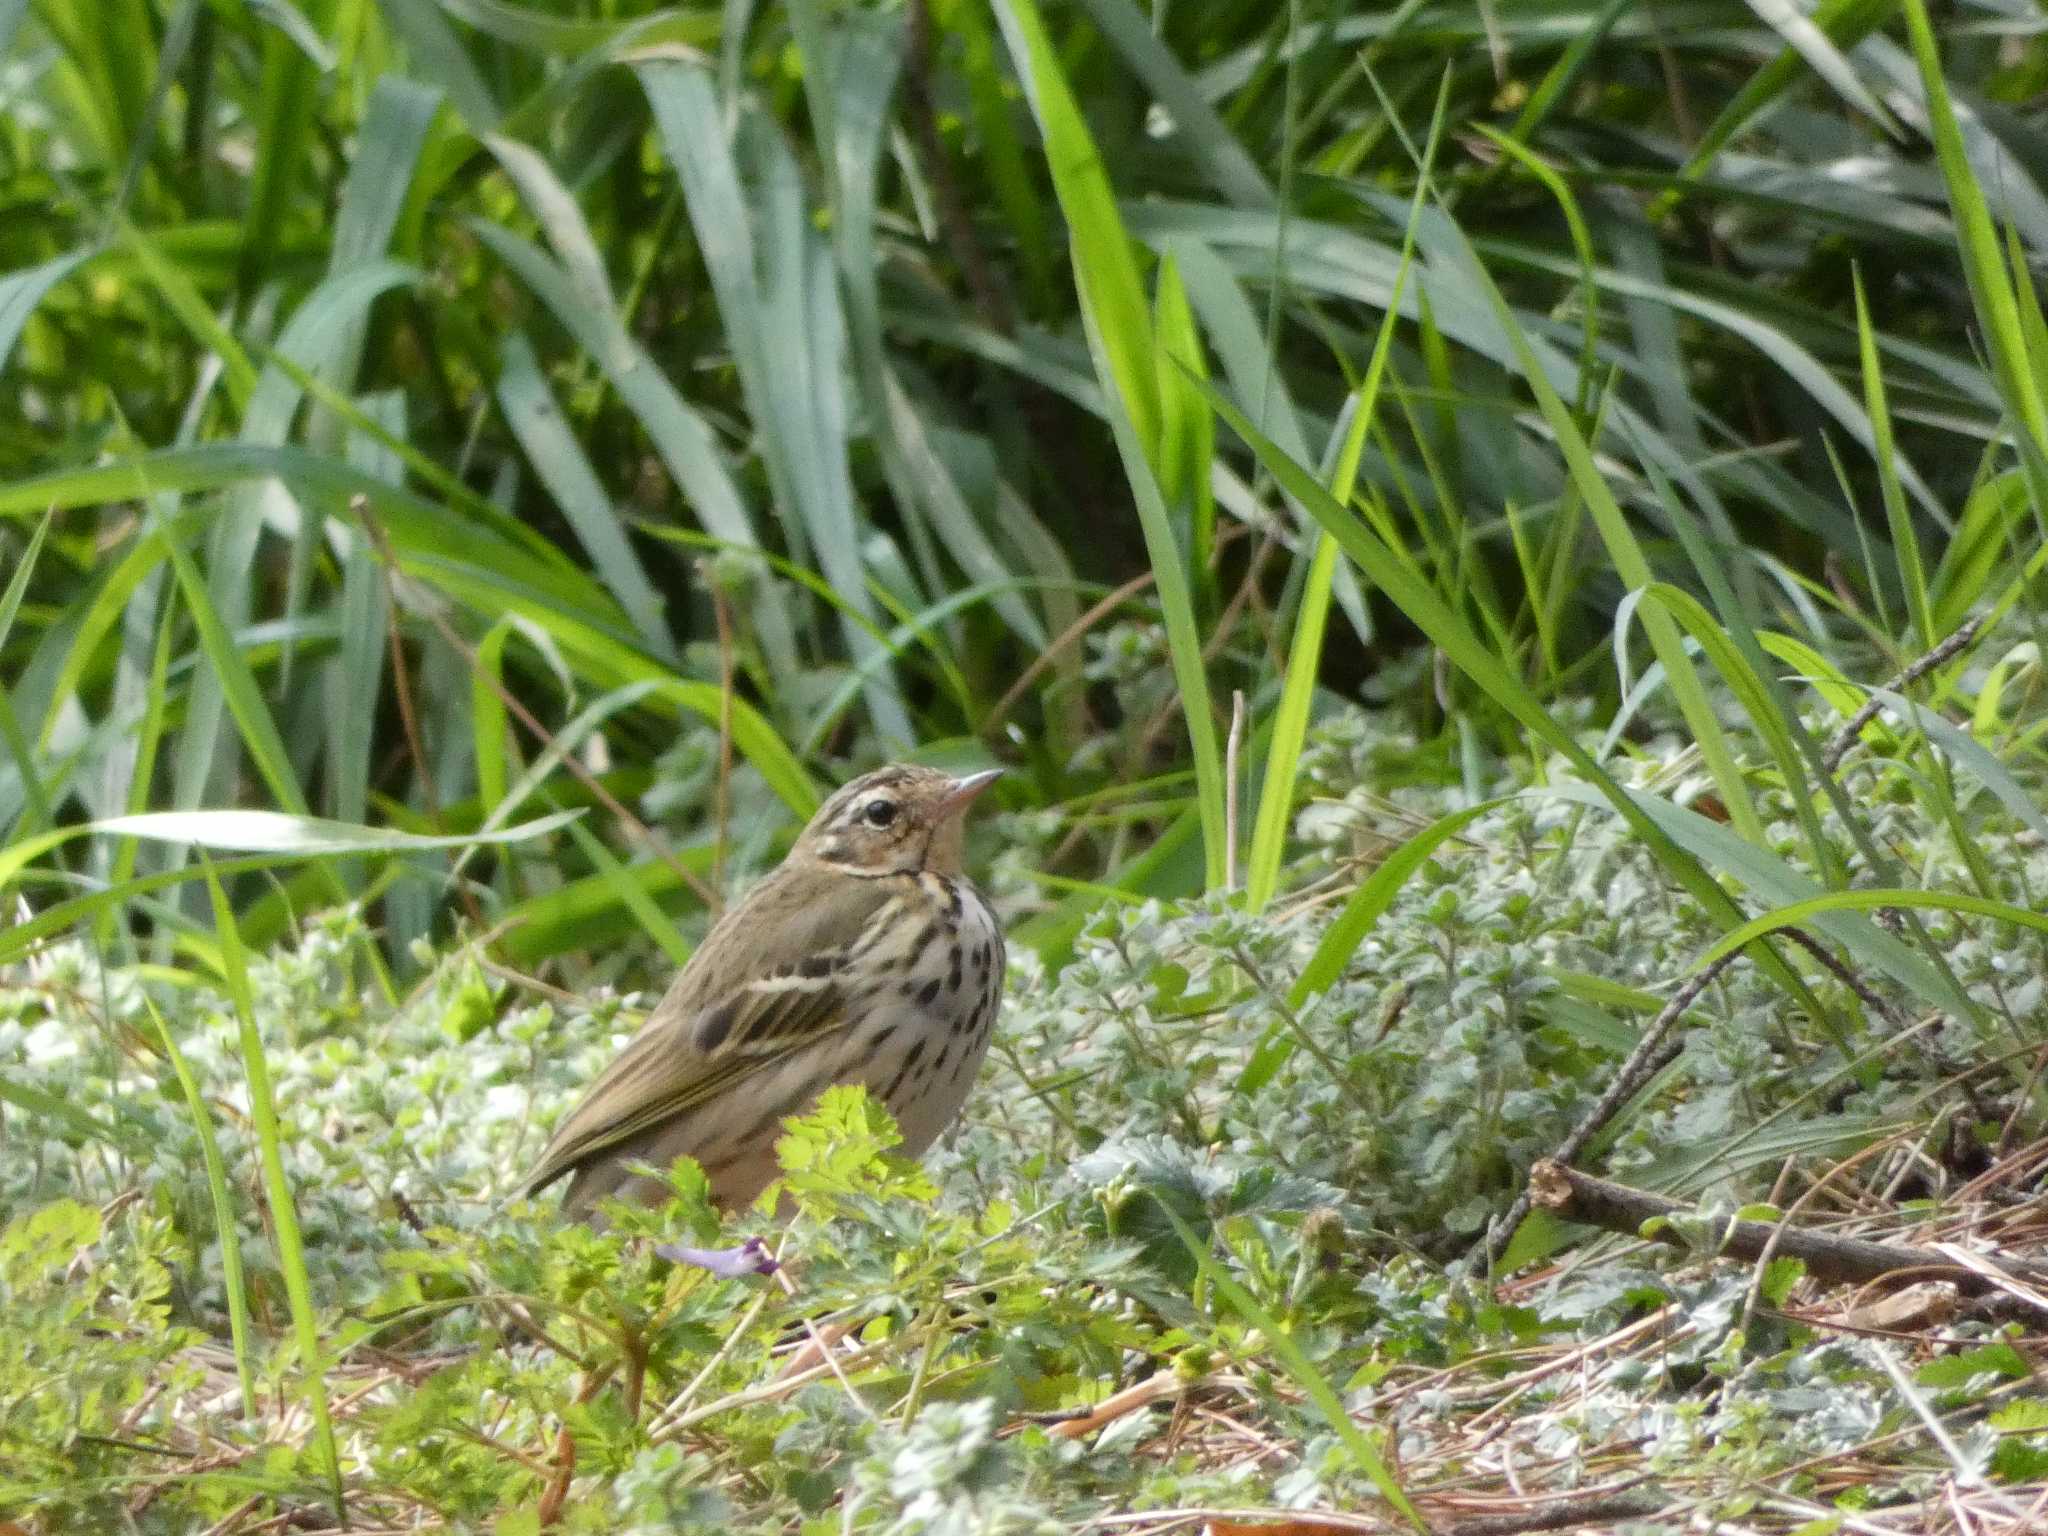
702 1040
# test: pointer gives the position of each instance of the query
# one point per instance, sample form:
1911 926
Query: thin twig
1059 645
1232 746
990 302
360 507
1074 632
1561 1514
408 716
1847 736
1849 979
722 805
1575 1196
1638 1069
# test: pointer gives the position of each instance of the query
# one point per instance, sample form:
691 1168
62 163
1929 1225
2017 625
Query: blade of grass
21 938
283 128
1349 929
1804 912
631 894
2025 395
1298 1365
1905 543
1176 606
1104 267
17 743
223 1212
679 435
277 1190
1121 339
238 685
779 299
52 1111
1187 431
256 831
1305 649
21 292
1630 564
536 420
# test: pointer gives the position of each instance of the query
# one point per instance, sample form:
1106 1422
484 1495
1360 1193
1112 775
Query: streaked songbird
866 957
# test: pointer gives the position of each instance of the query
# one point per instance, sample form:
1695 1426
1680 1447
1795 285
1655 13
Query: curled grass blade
1804 912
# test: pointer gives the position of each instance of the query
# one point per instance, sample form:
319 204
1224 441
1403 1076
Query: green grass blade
679 435
1905 543
631 894
1369 903
779 299
1290 722
536 420
21 292
1300 1367
17 742
1184 641
284 119
1217 155
438 55
1350 928
1843 22
1016 191
277 1190
1630 564
297 836
51 1110
174 285
1187 430
1305 649
238 686
223 1212
1104 267
380 183
2025 394
1805 912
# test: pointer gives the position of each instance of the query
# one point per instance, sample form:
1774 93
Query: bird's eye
880 813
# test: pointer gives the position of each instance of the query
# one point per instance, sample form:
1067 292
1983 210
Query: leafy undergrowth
1210 1247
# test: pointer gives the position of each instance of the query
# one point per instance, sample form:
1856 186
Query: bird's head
894 821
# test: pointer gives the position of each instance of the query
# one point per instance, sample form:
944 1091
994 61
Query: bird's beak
964 792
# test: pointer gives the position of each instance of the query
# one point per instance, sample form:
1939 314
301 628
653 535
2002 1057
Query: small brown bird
866 957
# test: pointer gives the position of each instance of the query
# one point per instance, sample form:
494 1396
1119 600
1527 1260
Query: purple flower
750 1258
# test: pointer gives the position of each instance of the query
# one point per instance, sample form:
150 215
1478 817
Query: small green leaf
1952 1372
1780 1275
